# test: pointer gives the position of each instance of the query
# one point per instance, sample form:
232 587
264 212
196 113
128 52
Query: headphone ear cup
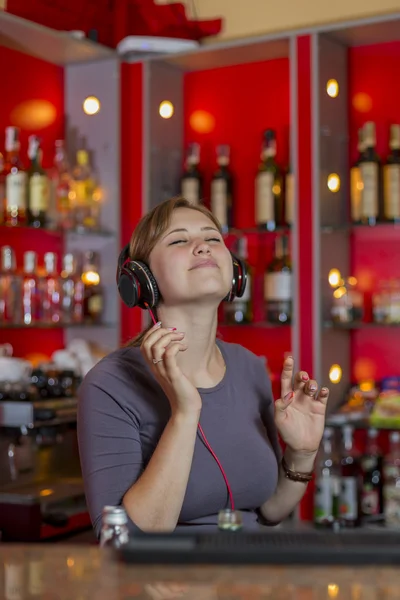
137 285
239 279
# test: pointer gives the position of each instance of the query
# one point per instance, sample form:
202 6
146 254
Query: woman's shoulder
236 353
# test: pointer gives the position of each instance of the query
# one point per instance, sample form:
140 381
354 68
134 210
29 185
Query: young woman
179 424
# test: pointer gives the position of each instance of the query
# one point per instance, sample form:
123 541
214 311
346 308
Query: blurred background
283 119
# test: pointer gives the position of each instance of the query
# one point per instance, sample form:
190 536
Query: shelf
101 233
57 47
340 421
350 326
352 227
257 231
55 326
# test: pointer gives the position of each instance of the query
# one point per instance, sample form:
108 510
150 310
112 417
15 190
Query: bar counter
58 572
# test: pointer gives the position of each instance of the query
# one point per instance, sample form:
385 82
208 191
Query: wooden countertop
58 572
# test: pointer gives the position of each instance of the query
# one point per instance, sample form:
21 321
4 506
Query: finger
323 395
287 376
300 379
158 348
170 364
283 403
311 388
150 331
152 338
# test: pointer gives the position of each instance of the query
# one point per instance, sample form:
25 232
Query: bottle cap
12 139
33 146
30 261
114 515
50 262
7 259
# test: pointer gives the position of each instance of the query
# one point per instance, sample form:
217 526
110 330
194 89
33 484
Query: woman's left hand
300 412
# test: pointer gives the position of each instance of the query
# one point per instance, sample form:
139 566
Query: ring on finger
157 360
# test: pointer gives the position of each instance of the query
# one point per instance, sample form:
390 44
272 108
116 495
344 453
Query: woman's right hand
160 348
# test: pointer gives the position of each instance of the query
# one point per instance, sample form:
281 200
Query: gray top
123 411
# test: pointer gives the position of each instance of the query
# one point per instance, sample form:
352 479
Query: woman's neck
201 362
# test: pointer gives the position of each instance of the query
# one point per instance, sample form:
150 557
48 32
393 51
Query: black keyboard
270 548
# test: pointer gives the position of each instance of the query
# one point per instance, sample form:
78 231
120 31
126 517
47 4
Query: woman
180 424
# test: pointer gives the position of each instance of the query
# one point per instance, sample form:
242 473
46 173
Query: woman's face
191 262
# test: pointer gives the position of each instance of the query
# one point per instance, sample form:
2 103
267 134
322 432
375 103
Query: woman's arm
288 493
155 501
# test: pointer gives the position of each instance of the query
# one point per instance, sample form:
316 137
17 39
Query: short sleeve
109 446
267 408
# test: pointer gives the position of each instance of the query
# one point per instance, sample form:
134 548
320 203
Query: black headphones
138 287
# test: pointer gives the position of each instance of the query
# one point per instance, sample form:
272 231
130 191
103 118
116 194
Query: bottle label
356 189
16 190
323 500
369 175
83 191
95 304
190 189
391 187
391 495
369 501
220 201
289 205
278 286
39 193
264 197
348 498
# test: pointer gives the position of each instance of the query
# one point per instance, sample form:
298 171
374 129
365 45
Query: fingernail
157 324
305 377
313 388
325 390
171 328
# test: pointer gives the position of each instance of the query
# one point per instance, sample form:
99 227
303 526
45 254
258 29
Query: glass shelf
350 326
354 227
257 231
340 421
59 232
54 326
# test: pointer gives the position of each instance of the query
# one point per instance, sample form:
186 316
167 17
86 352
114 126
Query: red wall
374 90
236 104
30 79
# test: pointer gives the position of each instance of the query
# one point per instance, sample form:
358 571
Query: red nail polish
305 377
171 328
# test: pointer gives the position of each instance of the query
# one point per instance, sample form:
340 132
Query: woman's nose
202 248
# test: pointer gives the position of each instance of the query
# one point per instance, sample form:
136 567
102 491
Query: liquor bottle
239 311
10 287
61 187
114 527
327 488
289 197
31 304
51 290
38 186
268 186
356 182
370 175
15 181
391 178
72 291
222 190
278 284
191 180
93 292
351 479
391 481
86 207
372 488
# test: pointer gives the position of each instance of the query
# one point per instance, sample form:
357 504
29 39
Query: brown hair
150 229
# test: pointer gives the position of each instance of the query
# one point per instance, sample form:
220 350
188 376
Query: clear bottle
30 290
356 183
391 481
372 487
61 187
72 291
240 310
222 190
326 484
86 206
38 186
370 175
351 479
192 180
51 290
10 287
114 528
93 302
278 284
394 306
15 181
268 186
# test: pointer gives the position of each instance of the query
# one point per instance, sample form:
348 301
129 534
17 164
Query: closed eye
176 242
183 241
213 240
